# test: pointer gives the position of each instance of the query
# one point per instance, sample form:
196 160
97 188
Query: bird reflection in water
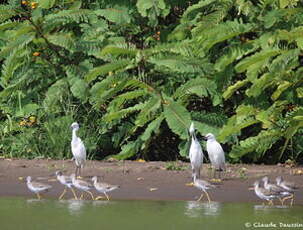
196 209
75 206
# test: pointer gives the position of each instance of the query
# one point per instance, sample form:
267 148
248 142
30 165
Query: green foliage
135 74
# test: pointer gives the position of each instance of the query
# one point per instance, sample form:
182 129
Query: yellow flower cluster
32 5
28 121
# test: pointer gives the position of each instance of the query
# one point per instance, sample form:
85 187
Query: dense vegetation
135 73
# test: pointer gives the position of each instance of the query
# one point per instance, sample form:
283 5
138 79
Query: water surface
31 214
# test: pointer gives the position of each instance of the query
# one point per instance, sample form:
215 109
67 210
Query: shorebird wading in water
103 187
288 186
78 149
275 188
67 182
37 187
265 194
203 185
195 153
82 185
215 153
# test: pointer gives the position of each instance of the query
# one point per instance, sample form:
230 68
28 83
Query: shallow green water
18 213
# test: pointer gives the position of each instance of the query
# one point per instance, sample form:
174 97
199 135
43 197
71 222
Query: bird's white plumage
80 184
195 153
78 148
103 187
64 180
215 152
275 188
36 187
263 193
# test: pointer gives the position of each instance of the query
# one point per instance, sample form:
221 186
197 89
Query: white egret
203 185
291 187
215 154
82 185
78 149
37 187
265 194
195 153
67 182
103 187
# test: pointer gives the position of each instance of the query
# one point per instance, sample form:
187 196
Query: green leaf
153 127
79 89
300 92
27 110
46 4
233 88
114 50
258 57
129 150
178 118
105 69
116 15
281 88
201 87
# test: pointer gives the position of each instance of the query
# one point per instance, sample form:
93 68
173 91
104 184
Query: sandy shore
144 180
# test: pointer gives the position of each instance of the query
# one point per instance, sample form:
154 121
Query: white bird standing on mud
215 153
195 153
78 149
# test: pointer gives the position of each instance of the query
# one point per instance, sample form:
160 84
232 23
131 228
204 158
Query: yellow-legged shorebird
82 185
291 187
275 188
265 194
67 182
37 187
203 185
103 187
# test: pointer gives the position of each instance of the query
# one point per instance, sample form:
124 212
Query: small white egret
78 149
37 187
103 187
203 185
291 187
82 185
265 194
195 153
275 188
215 154
67 182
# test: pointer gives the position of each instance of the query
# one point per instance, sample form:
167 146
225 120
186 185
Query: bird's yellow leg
61 196
106 196
288 197
207 196
81 197
281 200
38 195
90 194
73 191
200 196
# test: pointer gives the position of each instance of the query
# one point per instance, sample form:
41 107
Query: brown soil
143 180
